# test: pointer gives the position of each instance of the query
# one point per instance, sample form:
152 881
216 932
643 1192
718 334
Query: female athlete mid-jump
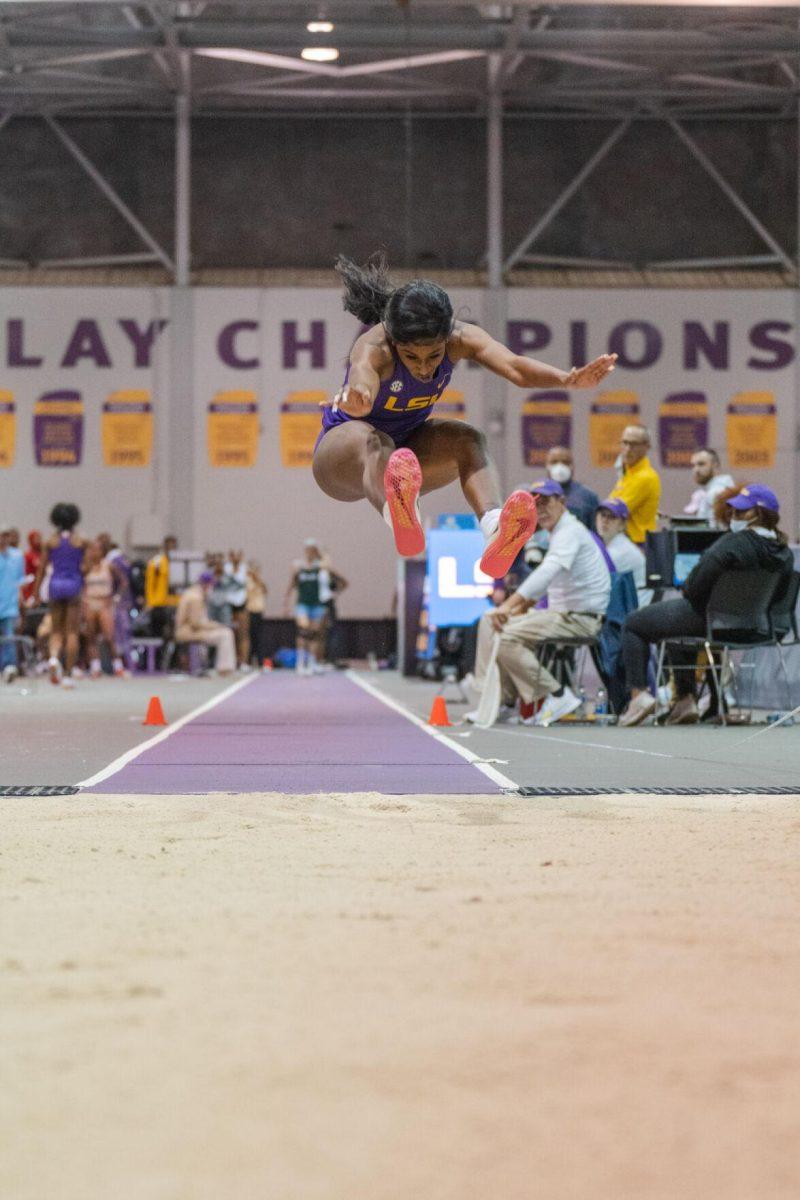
379 440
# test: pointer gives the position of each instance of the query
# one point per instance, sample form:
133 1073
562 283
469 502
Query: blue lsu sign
458 588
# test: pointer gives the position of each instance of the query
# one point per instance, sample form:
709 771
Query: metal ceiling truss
436 58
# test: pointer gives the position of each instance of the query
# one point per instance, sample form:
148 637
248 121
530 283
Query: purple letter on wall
714 347
651 350
16 349
526 336
86 342
292 345
143 339
226 346
762 339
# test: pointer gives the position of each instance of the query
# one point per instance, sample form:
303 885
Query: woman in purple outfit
64 552
378 439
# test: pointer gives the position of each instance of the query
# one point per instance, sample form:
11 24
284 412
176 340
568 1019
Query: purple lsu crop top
402 403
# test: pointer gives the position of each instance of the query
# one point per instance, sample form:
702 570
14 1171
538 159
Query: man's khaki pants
521 673
222 639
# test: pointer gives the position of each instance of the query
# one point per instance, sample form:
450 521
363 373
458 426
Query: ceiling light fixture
319 54
320 26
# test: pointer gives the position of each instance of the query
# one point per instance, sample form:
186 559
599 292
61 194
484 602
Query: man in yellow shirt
158 599
640 485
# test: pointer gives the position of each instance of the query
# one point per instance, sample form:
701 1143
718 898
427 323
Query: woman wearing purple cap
755 543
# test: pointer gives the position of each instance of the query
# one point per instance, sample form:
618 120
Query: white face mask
560 472
739 526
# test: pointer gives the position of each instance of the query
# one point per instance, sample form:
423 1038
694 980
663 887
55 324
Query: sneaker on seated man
574 577
754 543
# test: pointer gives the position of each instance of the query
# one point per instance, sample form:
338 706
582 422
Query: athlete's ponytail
366 289
419 311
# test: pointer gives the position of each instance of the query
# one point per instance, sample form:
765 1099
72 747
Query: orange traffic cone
155 713
439 712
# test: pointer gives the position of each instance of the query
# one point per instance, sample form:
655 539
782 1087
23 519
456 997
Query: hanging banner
127 429
451 405
232 429
546 422
608 416
8 429
300 424
682 427
58 429
752 430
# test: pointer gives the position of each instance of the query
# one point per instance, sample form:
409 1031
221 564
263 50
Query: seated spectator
193 624
577 583
612 516
754 543
710 483
12 575
580 500
640 485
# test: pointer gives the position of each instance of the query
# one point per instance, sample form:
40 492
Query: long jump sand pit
268 997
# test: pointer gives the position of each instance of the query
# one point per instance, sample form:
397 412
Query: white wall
269 509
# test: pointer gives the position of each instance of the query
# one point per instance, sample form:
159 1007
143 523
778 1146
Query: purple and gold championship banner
232 429
127 429
682 427
300 425
751 429
546 422
8 429
608 416
58 429
451 405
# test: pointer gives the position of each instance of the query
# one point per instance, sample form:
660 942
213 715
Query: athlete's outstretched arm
363 380
475 343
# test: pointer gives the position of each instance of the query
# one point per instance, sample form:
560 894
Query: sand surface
370 998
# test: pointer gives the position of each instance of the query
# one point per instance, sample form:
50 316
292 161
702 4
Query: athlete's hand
353 400
593 373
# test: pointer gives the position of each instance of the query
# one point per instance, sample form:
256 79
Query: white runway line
130 755
543 737
474 759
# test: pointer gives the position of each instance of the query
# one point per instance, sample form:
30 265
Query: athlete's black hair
419 311
65 516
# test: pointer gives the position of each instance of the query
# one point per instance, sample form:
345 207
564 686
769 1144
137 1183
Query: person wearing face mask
610 521
754 543
580 500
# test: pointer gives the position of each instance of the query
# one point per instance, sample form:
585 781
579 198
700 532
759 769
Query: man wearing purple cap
193 624
574 577
755 543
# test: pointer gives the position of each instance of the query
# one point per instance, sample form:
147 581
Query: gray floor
582 755
51 736
54 737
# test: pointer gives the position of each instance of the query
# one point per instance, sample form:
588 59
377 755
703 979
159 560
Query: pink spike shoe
402 481
518 521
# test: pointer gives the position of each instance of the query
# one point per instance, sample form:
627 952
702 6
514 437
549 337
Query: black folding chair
739 616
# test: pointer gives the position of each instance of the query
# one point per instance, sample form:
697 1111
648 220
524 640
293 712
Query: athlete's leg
450 450
72 632
350 461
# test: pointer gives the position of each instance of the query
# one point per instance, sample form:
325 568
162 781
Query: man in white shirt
612 516
710 482
577 582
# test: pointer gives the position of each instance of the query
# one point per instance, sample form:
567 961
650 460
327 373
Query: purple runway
298 736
